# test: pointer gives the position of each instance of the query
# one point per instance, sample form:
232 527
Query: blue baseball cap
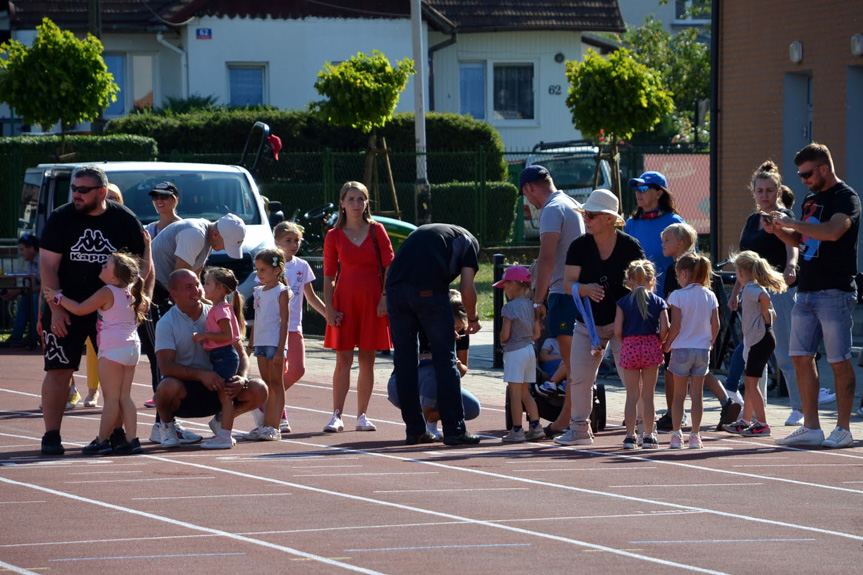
650 179
532 174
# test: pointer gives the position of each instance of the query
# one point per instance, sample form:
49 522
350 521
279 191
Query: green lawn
484 291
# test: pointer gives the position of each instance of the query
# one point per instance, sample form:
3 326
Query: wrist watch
57 298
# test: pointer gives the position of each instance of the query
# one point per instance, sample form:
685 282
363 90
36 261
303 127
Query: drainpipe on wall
184 64
453 38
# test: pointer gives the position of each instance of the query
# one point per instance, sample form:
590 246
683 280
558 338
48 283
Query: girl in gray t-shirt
519 330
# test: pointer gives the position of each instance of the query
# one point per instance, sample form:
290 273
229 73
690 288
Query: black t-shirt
671 283
768 246
86 241
433 255
610 273
823 264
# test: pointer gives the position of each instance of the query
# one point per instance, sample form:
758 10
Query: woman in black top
595 263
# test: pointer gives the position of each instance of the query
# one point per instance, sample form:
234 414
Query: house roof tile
493 15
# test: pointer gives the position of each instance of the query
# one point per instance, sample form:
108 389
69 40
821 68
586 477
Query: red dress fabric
358 290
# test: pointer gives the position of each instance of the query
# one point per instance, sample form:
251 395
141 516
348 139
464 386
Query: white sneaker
169 435
514 436
365 424
270 434
156 433
184 435
534 433
695 441
258 416
575 435
838 438
254 435
335 424
796 418
284 425
736 396
219 443
216 424
824 396
433 430
676 441
802 437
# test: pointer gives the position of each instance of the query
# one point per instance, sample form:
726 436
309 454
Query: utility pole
422 191
94 13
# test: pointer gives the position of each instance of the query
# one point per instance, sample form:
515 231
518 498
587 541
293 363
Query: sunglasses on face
642 189
592 215
155 197
808 173
84 189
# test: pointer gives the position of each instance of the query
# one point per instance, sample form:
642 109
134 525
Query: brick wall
753 62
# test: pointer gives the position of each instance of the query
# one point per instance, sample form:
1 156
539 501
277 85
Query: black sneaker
664 423
426 437
466 438
97 447
729 414
118 438
129 448
52 444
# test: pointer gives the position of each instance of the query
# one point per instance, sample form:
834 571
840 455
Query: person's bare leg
55 392
342 378
846 384
365 380
807 384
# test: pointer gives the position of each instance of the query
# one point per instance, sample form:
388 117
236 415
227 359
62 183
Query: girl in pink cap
518 331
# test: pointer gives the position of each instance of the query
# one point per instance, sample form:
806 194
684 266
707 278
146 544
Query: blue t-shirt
633 322
649 235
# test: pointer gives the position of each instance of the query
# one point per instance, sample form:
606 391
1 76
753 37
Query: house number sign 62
554 90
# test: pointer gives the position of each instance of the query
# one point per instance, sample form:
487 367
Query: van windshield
572 171
202 195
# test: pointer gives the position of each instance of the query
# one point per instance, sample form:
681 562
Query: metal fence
467 186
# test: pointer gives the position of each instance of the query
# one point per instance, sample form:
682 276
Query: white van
207 191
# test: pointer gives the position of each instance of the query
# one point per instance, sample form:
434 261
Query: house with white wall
502 61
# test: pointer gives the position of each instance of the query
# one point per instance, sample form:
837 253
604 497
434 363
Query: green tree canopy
59 79
362 92
612 98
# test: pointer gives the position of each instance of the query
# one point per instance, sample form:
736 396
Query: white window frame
681 20
126 97
490 65
263 66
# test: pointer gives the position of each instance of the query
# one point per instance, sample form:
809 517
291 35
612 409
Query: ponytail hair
226 278
698 265
128 271
764 275
641 273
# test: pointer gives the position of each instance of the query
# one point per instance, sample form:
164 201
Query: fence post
328 175
497 352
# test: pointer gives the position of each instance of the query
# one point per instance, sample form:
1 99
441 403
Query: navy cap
532 174
165 188
650 179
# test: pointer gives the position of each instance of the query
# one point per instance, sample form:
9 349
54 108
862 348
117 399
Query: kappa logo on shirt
53 350
92 247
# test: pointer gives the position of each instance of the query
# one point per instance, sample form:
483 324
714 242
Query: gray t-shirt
751 320
186 239
174 331
559 216
520 313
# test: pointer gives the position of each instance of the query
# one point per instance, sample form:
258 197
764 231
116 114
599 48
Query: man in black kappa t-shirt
77 240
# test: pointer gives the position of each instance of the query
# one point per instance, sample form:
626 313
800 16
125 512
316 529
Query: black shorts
199 401
759 354
65 352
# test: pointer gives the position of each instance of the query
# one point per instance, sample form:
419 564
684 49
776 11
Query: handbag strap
374 224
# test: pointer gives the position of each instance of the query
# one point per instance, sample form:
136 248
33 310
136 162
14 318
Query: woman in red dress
357 255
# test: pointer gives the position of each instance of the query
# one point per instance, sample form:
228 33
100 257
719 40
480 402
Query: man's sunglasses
807 174
155 197
84 189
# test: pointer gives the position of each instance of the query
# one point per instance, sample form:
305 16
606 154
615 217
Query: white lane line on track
682 485
641 500
103 472
19 502
452 490
803 465
172 556
527 532
226 496
380 474
418 548
721 541
16 569
143 479
187 525
603 469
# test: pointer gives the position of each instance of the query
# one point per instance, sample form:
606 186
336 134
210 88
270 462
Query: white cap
233 232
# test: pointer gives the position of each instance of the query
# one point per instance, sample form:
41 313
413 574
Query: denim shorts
267 351
688 361
823 315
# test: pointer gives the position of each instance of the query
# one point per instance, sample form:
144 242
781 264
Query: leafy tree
59 79
682 60
613 98
362 92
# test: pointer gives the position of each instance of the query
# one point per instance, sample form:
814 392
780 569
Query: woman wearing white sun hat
595 266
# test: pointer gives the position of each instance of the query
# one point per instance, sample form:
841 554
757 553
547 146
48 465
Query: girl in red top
357 254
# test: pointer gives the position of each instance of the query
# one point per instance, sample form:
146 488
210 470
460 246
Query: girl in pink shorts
641 324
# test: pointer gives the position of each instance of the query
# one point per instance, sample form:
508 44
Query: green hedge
22 152
220 130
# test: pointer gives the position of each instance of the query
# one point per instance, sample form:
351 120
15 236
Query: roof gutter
447 27
184 63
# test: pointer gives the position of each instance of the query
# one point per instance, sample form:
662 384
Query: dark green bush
220 130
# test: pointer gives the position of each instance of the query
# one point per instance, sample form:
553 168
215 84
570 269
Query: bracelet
246 383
